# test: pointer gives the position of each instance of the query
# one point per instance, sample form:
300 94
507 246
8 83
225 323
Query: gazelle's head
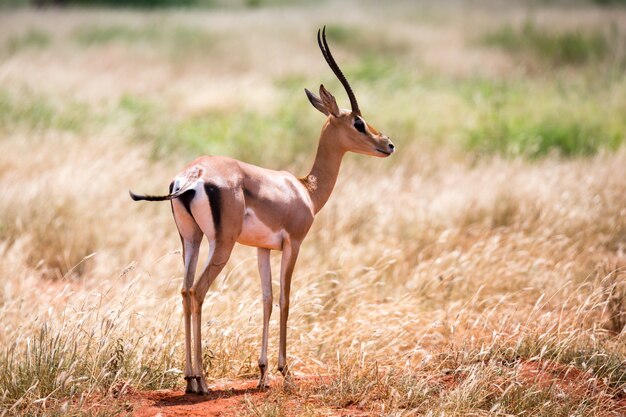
350 131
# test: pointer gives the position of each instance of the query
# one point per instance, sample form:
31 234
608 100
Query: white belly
256 233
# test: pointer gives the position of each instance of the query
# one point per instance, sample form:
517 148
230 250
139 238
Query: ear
316 102
329 101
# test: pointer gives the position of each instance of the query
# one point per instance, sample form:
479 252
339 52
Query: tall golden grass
436 282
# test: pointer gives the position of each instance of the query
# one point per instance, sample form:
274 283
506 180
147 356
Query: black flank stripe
215 200
186 198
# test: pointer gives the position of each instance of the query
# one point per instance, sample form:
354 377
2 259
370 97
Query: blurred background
496 234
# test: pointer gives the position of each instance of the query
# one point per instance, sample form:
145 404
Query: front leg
288 262
263 258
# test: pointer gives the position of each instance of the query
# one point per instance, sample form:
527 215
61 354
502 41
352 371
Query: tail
171 196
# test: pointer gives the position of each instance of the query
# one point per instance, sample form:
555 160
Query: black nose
391 146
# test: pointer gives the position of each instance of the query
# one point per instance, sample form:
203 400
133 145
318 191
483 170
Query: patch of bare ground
220 402
570 381
241 397
229 398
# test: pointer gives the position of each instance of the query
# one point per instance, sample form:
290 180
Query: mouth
383 152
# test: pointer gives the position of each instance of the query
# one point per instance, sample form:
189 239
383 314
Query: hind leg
191 238
220 215
220 254
190 253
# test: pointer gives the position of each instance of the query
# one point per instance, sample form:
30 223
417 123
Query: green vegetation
153 4
578 131
139 3
33 39
276 138
34 112
610 2
366 41
7 4
178 41
98 35
555 47
513 119
565 134
575 117
536 120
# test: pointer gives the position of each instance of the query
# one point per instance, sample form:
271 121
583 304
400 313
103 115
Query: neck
323 176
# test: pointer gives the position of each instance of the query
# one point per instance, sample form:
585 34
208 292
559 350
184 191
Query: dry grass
437 282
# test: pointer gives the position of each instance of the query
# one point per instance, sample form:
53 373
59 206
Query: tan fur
231 201
372 129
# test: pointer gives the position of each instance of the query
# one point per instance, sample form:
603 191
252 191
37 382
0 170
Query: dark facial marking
186 198
359 124
215 200
171 187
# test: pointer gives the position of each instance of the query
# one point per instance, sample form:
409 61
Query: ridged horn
321 40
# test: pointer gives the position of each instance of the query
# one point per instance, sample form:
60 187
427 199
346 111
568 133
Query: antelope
230 201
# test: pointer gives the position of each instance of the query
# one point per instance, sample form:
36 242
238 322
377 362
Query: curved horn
333 65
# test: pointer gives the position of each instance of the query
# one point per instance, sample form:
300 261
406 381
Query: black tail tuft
138 197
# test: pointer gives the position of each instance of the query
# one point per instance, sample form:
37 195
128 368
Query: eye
359 125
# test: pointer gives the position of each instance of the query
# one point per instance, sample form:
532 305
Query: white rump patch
200 210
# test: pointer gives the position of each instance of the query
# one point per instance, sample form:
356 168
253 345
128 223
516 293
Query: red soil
222 401
573 381
232 398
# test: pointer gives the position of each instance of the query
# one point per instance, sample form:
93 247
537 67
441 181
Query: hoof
192 387
203 389
289 385
287 380
196 385
263 376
